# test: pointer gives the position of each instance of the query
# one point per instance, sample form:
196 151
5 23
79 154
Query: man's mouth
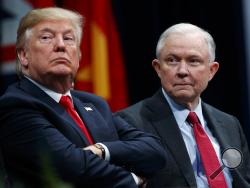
61 60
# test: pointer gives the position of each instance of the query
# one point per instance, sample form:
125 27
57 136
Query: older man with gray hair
195 134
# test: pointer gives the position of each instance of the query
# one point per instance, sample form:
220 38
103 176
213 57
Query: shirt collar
180 112
54 95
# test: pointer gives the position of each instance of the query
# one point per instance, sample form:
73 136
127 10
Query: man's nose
183 68
59 44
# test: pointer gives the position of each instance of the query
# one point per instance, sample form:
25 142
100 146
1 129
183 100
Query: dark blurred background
140 23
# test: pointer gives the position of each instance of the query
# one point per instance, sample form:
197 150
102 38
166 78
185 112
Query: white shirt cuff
107 154
135 178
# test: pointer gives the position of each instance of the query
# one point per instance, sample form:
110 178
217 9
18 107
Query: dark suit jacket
39 137
155 116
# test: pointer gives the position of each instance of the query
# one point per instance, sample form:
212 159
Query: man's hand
95 150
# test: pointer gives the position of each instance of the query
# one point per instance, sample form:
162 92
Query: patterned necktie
208 156
65 101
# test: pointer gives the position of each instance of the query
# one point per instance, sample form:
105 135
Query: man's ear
22 56
214 67
156 65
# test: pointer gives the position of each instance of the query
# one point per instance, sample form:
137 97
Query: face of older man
184 67
51 53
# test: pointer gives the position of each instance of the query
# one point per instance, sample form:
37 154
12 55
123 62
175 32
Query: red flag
41 3
101 68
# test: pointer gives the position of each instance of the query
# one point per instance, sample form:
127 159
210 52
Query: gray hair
36 16
183 28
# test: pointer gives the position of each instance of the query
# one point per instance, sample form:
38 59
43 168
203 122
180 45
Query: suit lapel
55 108
70 122
92 121
85 111
216 126
164 122
224 134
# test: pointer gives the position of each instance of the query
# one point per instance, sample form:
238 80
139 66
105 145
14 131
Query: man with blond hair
48 130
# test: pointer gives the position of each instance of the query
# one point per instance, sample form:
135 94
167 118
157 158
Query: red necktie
65 101
208 156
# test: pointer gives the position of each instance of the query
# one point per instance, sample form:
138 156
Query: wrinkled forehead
54 26
193 37
195 40
190 43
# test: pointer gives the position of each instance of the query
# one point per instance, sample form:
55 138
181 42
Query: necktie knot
66 102
192 118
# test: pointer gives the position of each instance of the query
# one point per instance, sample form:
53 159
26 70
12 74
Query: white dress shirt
180 114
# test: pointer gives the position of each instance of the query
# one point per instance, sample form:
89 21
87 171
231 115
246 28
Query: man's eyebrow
171 55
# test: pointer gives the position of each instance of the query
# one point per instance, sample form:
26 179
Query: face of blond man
184 67
51 54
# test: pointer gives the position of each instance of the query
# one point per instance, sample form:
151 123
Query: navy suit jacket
39 137
154 115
